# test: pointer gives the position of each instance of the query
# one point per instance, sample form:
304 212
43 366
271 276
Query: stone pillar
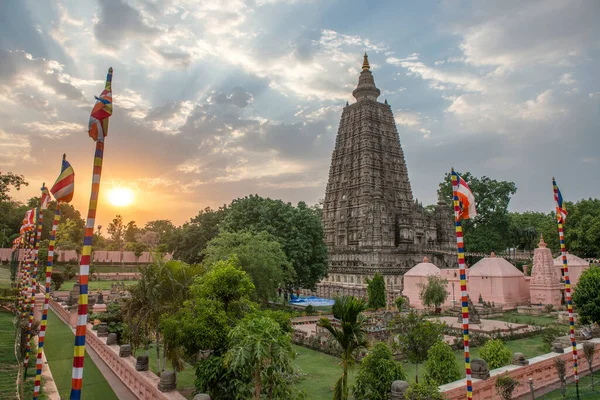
73 316
38 306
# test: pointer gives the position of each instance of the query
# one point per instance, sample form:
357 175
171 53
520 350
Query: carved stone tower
544 287
371 222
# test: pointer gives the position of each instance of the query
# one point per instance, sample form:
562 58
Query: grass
4 276
94 285
185 378
59 352
322 371
585 389
539 320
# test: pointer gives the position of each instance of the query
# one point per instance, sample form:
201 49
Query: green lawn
321 372
185 378
59 352
585 389
94 285
539 320
4 276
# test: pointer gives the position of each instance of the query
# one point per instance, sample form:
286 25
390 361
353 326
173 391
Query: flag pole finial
64 156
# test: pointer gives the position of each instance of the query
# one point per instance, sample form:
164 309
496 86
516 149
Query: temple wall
508 291
540 369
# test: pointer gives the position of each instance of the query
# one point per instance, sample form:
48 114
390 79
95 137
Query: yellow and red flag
98 126
65 184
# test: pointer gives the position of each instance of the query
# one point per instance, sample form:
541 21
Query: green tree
189 242
260 255
116 230
496 354
298 229
525 230
400 302
68 234
163 228
423 391
588 350
489 230
351 336
416 336
582 230
376 291
8 180
586 295
434 292
505 386
259 348
377 372
131 232
441 366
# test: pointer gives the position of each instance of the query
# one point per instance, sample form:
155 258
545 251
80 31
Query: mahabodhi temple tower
371 221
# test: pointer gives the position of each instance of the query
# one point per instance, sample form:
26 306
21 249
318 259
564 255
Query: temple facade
371 221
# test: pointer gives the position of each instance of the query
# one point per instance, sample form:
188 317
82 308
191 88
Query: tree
298 229
8 180
441 366
587 295
423 391
561 371
416 336
260 255
582 230
489 230
259 348
400 302
57 279
163 228
376 291
131 231
496 354
434 293
189 242
351 336
525 230
149 239
588 350
377 372
116 230
505 386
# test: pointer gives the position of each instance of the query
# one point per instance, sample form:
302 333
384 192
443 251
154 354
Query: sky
218 99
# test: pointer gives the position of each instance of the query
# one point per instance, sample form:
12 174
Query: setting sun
120 196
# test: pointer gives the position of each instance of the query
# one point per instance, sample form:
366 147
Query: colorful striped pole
460 247
42 335
565 270
20 267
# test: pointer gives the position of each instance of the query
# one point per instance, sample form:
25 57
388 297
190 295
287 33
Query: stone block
201 396
111 339
479 369
141 363
102 330
557 347
398 389
519 359
125 350
168 381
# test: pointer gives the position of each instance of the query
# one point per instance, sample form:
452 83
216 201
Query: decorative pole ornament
464 208
98 130
561 218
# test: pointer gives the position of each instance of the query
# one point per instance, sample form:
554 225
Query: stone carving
473 314
125 350
519 359
371 221
557 348
479 369
398 389
100 298
102 330
74 295
141 363
201 396
111 339
168 381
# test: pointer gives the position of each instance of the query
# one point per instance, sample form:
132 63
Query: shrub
400 303
551 333
376 291
505 385
423 391
377 372
310 310
496 354
441 366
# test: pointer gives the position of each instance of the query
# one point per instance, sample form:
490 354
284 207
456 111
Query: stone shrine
545 286
371 221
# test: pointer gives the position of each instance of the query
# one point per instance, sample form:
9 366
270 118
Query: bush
505 385
376 291
423 391
441 366
552 332
310 310
496 354
400 303
377 372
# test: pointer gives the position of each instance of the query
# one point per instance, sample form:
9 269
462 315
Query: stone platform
487 326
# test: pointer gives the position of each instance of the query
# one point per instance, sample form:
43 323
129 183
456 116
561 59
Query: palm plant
350 335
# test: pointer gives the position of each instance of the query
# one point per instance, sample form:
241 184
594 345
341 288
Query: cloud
118 21
407 118
14 149
54 129
567 79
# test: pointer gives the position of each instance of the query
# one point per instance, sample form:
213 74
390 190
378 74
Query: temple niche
371 221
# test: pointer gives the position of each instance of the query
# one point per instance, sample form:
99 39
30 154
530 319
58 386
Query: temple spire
366 89
366 66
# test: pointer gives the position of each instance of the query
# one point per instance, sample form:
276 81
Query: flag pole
42 334
460 248
84 265
565 269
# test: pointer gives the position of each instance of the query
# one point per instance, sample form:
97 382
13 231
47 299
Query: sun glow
120 196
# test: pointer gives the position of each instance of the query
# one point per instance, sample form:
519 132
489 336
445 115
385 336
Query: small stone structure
519 359
111 339
125 350
102 330
473 314
398 389
100 297
141 363
168 381
479 369
73 295
576 267
544 287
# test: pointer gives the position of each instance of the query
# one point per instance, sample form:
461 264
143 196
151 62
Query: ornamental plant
496 354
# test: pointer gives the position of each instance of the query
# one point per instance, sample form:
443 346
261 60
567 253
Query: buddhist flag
561 211
98 126
29 220
466 200
45 198
65 184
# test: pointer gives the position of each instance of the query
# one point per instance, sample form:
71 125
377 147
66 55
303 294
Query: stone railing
541 369
143 384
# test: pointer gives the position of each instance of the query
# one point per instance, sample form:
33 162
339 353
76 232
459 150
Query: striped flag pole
565 270
460 248
42 334
98 130
20 267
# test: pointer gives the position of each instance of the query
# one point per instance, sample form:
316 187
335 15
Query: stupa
544 286
371 221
